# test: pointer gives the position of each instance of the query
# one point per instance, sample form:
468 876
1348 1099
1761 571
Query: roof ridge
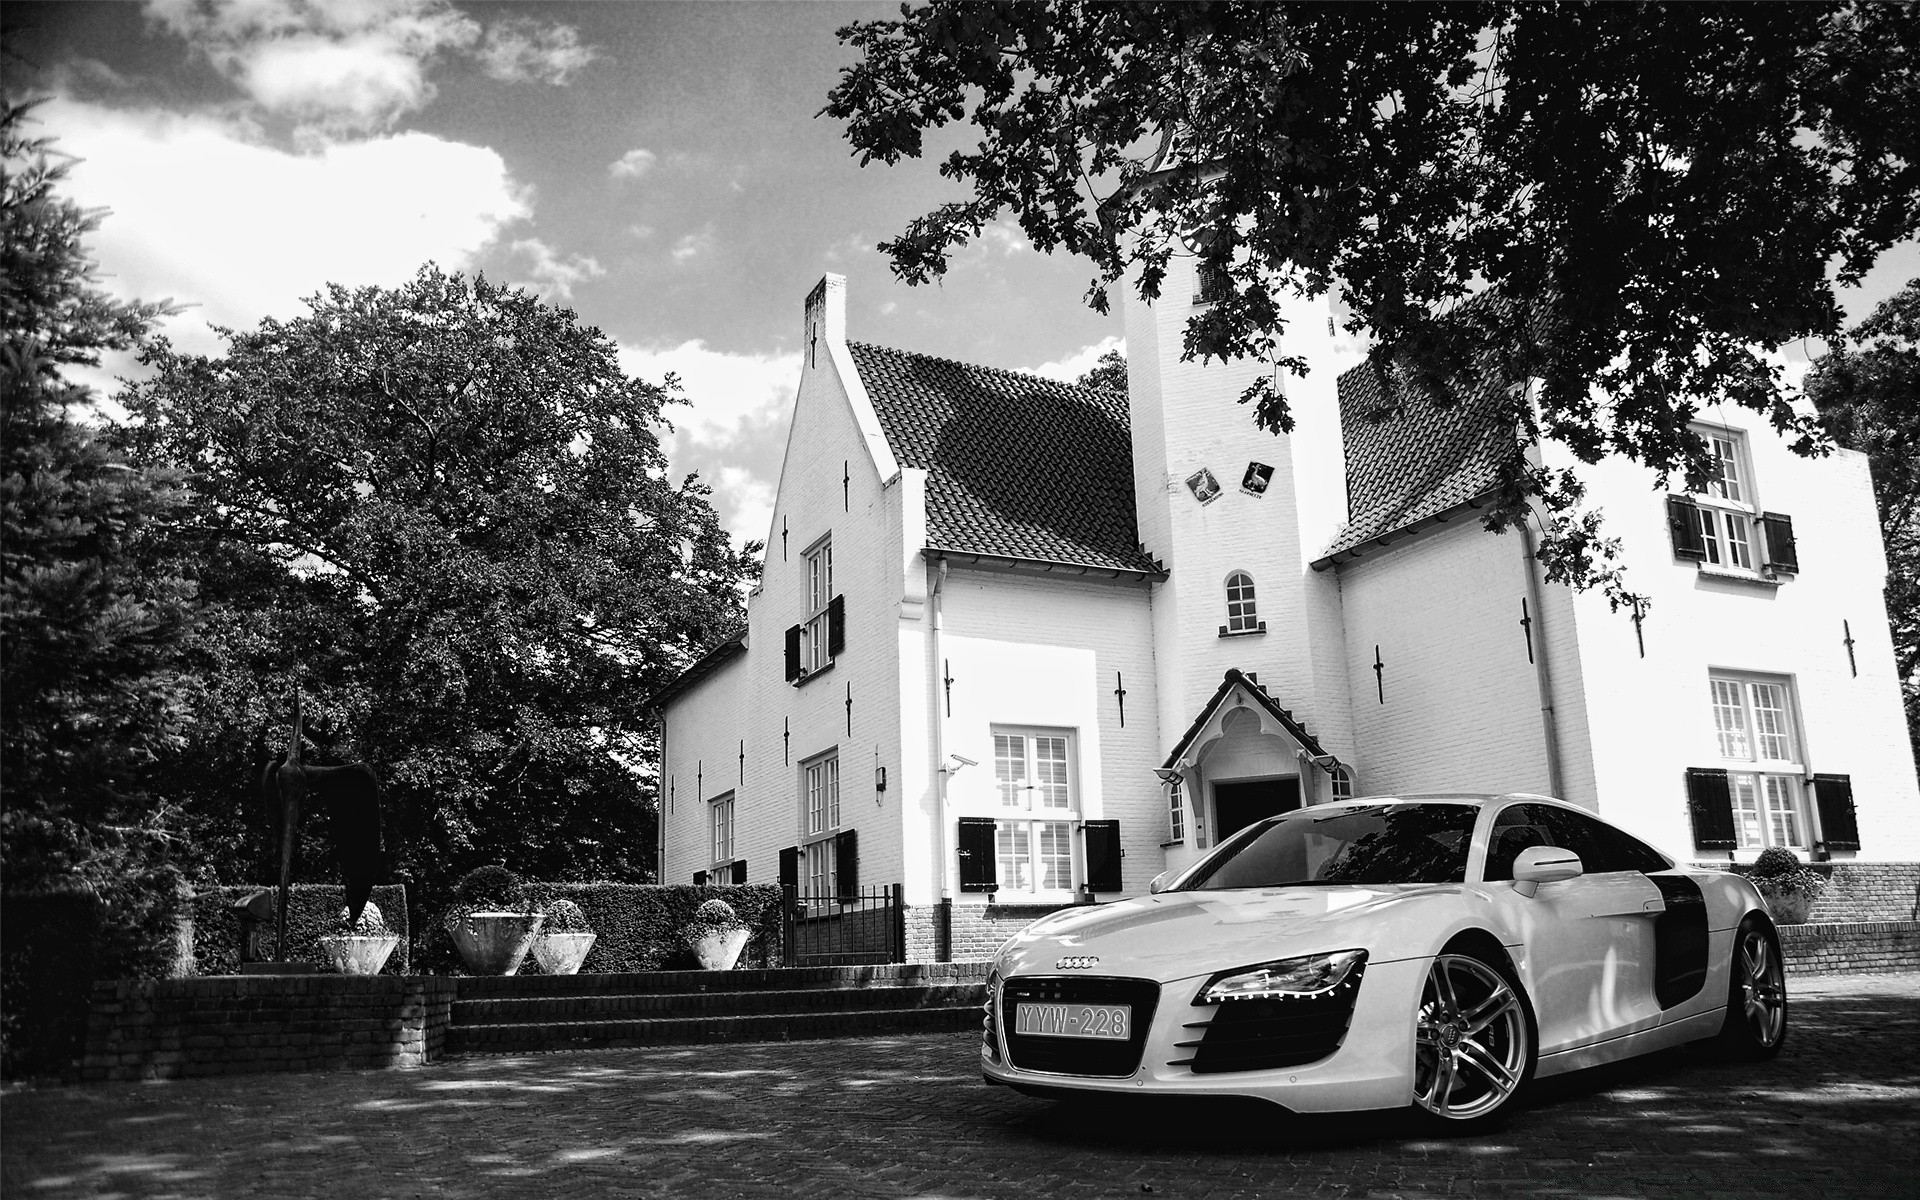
1023 375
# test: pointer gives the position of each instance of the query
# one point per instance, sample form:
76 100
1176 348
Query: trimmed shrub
314 911
564 916
490 888
642 925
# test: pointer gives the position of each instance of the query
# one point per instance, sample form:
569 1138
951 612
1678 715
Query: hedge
639 925
313 912
50 945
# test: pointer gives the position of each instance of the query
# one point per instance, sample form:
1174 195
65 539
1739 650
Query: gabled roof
1018 467
1418 465
1235 679
732 646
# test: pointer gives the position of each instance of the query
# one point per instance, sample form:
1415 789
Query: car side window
1624 851
1601 847
1513 831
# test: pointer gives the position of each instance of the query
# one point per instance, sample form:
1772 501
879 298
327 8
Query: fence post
897 925
786 926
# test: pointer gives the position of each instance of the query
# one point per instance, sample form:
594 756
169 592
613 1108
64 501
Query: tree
1645 197
91 622
1868 396
443 512
1109 372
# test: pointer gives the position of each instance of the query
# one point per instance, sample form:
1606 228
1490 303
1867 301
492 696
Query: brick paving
1836 1115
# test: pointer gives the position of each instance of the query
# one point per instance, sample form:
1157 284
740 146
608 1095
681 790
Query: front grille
1078 1056
1261 1035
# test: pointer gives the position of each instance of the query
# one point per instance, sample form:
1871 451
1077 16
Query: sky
659 168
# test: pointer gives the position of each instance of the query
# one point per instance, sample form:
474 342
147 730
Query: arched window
1241 615
1342 782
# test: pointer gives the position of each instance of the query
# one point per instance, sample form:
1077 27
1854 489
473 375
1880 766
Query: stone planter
562 953
1788 908
719 949
357 955
495 943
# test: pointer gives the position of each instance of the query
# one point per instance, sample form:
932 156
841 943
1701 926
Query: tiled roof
1418 462
1017 466
1236 678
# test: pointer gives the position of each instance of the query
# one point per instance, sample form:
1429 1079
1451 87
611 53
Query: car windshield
1379 843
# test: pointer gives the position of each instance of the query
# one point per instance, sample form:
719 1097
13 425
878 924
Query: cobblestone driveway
1838 1114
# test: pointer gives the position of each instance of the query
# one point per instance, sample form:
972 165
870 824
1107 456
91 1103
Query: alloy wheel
1764 988
1471 1040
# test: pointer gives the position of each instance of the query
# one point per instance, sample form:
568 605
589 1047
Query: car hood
1177 935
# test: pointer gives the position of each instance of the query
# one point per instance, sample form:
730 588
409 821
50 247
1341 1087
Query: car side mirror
1543 864
1158 883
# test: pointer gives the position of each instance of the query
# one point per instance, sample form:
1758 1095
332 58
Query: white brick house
1019 644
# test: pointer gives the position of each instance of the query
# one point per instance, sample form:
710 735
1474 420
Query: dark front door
1238 805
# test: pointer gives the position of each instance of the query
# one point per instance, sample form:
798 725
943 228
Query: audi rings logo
1078 962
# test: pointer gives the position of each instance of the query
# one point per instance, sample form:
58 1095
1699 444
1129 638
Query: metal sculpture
350 794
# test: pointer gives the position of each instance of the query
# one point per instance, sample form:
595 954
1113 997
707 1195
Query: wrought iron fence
864 925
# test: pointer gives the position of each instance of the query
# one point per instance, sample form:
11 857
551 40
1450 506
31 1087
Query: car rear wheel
1756 1024
1473 1041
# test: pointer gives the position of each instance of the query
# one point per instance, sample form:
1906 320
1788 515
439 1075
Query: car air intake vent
1078 1055
1261 1035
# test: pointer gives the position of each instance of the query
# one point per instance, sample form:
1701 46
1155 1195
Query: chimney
826 316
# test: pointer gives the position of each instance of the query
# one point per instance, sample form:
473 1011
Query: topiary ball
1775 861
489 887
715 912
564 916
372 922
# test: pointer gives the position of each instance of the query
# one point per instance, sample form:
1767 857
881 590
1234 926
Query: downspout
660 804
934 676
1543 676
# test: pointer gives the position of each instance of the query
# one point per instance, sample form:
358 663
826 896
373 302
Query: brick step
669 982
668 1031
628 1006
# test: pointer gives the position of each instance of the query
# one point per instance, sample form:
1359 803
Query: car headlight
1312 975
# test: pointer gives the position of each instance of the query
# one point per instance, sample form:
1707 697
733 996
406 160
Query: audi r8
1436 952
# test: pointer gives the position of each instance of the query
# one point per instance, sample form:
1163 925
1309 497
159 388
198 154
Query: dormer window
1722 527
1242 615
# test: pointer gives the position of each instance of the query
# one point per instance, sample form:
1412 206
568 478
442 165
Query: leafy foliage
1109 373
1649 196
490 887
92 621
1868 396
442 510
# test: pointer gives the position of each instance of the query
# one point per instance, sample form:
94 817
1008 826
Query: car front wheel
1473 1041
1756 1024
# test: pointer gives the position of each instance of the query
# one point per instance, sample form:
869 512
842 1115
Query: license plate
1105 1022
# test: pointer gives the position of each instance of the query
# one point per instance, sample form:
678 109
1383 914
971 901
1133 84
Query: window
1754 732
820 788
1033 835
1241 614
1601 847
1722 527
720 826
1340 782
1210 284
815 640
1176 812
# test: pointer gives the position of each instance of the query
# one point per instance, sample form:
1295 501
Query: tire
1756 1024
1474 1042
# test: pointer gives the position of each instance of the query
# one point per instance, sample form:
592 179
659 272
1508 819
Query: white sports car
1436 951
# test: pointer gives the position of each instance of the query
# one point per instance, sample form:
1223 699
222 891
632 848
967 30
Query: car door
1590 948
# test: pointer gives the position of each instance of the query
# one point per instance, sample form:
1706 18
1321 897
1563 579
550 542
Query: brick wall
1870 892
977 930
1851 947
242 1024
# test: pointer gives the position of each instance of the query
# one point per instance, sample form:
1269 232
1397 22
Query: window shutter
1212 284
978 872
790 868
1839 828
1711 804
846 865
1781 554
1683 522
1103 855
699 879
740 871
793 653
836 626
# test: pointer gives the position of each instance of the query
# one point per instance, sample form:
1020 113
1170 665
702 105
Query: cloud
520 49
552 275
633 164
264 227
1007 236
1074 365
732 430
693 244
359 64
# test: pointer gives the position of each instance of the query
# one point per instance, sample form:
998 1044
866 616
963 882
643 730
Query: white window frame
720 829
1176 811
819 825
1728 511
817 579
1340 782
1037 809
1756 735
1243 612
